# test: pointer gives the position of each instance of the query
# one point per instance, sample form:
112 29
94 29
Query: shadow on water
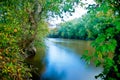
64 63
37 63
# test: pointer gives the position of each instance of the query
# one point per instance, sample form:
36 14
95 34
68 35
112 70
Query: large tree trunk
26 44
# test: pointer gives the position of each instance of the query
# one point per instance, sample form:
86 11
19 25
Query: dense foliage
22 25
12 17
107 42
82 28
70 30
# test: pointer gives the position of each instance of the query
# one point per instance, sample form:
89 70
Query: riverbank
82 38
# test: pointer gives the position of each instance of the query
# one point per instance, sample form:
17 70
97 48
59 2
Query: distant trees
82 28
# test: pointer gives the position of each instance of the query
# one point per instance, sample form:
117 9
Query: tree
107 44
20 21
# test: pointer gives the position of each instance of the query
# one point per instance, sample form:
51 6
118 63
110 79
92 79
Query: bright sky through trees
79 11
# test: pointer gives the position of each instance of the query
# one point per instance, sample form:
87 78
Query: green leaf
97 63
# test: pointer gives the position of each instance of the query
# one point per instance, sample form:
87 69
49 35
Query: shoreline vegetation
85 39
23 24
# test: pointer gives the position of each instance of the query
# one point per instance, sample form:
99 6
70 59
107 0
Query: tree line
82 28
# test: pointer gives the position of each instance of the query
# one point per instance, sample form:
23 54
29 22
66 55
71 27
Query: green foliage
42 31
11 63
86 27
106 44
22 24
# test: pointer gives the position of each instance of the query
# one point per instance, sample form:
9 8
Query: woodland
23 27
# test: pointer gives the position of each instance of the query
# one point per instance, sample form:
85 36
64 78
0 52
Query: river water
63 60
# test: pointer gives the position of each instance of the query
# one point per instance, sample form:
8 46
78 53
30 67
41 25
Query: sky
79 11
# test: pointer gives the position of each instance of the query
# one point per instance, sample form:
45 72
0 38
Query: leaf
117 23
100 56
118 75
97 63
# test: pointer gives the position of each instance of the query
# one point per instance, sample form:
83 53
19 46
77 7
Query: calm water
63 61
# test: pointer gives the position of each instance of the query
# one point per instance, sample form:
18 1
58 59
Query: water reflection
62 63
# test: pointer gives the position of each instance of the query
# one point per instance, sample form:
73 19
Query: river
63 60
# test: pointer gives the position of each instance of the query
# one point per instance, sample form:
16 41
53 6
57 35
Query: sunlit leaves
60 7
10 33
